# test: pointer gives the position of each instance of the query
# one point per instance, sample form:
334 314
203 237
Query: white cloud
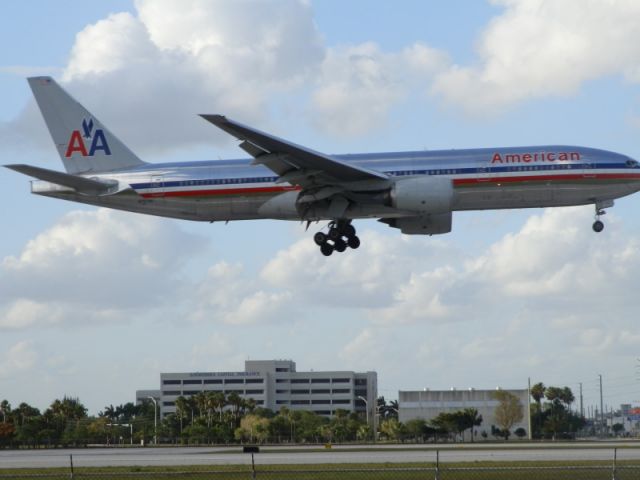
227 296
19 358
90 266
539 48
151 73
360 84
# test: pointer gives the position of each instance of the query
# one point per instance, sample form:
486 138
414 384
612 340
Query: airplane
415 192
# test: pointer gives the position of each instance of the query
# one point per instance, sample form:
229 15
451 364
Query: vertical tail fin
83 143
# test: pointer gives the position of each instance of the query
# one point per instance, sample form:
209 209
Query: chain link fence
613 470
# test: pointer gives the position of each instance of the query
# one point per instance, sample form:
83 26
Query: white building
274 384
428 404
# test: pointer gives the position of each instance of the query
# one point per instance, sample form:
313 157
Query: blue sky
96 303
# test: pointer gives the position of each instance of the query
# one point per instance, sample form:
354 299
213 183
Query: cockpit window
632 163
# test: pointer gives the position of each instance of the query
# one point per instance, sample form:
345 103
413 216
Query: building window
239 392
320 380
282 402
192 382
169 404
361 381
340 380
320 402
233 380
282 380
341 402
171 392
299 402
254 380
191 392
299 380
259 402
254 392
171 382
361 393
341 390
282 391
212 382
299 392
281 369
322 390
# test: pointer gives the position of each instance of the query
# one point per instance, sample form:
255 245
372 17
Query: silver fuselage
491 178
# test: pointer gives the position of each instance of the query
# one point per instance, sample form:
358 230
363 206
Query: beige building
428 404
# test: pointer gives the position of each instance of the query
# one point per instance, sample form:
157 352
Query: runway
174 456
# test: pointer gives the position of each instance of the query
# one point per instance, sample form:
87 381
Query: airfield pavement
174 456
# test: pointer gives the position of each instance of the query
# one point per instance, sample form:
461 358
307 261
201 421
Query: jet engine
423 195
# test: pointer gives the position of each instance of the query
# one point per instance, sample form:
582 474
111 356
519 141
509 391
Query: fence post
253 467
437 464
615 457
71 463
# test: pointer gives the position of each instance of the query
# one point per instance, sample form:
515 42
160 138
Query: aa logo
93 138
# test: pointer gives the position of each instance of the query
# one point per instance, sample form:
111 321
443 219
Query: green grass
587 470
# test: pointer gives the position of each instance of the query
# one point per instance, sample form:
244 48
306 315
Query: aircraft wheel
598 226
349 231
334 234
353 242
320 238
326 249
340 245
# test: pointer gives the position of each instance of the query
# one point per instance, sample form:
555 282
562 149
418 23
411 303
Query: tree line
216 418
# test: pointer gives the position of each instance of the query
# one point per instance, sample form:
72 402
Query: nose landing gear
341 235
598 226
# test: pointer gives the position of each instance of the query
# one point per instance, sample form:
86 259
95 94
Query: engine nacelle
422 195
431 224
281 207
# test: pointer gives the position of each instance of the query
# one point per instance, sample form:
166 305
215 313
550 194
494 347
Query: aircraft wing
294 164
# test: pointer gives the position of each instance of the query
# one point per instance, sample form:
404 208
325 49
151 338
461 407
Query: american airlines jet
415 192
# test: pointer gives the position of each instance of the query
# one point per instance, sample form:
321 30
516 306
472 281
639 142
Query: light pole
155 420
366 408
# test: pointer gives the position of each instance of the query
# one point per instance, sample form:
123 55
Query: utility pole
601 407
581 408
528 410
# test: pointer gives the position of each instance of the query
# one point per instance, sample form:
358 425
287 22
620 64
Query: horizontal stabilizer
80 184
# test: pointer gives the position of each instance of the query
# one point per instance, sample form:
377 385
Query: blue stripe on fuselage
518 168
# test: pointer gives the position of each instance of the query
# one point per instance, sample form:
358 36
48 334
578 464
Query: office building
274 384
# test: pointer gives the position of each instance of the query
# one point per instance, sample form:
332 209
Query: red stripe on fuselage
456 181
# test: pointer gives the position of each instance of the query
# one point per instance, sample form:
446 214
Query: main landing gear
598 226
341 235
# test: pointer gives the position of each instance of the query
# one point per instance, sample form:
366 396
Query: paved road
93 457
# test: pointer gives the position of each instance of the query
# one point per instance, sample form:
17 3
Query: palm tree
537 392
219 402
182 406
235 401
567 396
5 408
249 404
200 399
25 412
472 419
109 412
